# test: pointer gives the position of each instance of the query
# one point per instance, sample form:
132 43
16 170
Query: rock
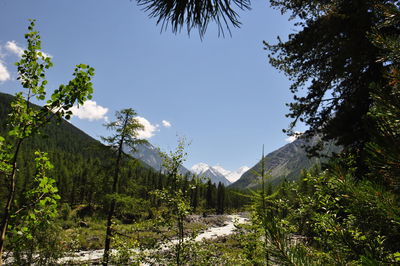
83 224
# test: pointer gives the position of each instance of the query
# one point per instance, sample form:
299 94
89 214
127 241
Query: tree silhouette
195 13
332 59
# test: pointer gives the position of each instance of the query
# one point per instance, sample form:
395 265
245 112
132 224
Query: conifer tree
126 128
333 59
195 14
220 198
210 199
384 149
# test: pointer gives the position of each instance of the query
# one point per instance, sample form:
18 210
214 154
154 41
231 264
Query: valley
329 196
216 227
82 177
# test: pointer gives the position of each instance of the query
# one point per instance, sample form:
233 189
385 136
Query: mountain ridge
150 154
286 162
217 173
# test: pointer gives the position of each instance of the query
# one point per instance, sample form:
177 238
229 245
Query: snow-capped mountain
199 168
205 171
217 173
233 176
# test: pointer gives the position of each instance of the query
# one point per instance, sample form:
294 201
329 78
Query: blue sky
219 93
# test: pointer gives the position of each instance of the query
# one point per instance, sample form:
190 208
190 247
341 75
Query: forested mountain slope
150 155
82 164
83 170
283 163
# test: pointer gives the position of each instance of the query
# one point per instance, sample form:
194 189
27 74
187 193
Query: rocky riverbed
219 226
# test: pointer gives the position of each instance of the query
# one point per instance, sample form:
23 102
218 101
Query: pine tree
333 59
195 14
210 198
126 127
220 198
384 149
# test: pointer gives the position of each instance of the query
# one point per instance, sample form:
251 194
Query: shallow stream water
212 232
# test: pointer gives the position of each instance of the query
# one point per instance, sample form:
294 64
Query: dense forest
82 168
83 176
347 212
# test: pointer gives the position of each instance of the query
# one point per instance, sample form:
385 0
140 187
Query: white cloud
296 135
2 55
166 123
13 47
149 129
4 74
90 110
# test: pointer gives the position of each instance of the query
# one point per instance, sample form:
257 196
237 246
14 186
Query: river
212 232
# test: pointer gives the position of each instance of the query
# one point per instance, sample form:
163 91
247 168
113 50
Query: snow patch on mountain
199 168
217 173
233 176
221 170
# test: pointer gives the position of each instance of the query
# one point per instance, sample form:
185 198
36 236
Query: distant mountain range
150 155
284 163
217 173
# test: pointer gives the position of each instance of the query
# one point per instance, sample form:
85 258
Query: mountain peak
221 170
233 176
212 173
199 168
217 173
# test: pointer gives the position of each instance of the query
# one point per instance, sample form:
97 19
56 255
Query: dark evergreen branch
195 13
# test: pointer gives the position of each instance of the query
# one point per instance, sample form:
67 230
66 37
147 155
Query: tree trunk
112 206
106 256
111 210
10 198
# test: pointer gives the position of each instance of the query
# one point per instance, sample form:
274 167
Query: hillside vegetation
345 57
285 163
83 176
